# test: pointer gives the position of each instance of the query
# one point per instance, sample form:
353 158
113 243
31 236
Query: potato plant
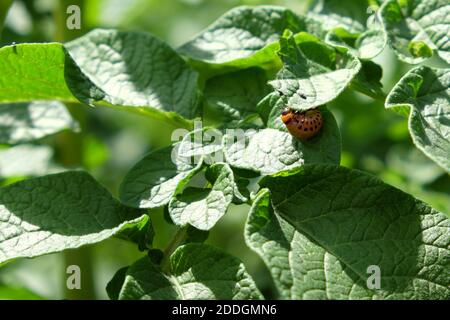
324 231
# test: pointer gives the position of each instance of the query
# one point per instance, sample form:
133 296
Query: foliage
318 226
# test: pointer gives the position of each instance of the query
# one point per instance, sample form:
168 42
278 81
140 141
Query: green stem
4 7
82 258
70 150
176 241
60 15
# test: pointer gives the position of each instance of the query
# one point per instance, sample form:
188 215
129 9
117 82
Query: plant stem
4 7
62 33
82 258
70 151
176 241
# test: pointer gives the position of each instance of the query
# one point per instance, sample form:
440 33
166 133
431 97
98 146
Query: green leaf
314 73
152 181
135 69
202 142
244 37
197 272
350 27
15 161
24 122
235 95
115 284
273 149
413 165
114 73
424 93
365 46
141 233
329 224
34 72
214 171
270 237
202 208
348 14
416 28
17 293
194 235
368 80
57 212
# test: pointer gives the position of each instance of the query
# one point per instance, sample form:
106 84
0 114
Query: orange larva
302 125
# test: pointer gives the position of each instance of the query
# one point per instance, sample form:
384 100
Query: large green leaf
25 161
348 14
366 45
57 212
202 208
17 293
202 142
34 72
197 272
152 181
273 149
349 25
416 28
23 122
424 94
124 70
325 226
235 95
244 37
135 69
314 73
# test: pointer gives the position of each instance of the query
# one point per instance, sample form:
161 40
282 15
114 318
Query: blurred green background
374 140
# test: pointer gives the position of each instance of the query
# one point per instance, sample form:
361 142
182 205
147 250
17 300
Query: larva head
302 125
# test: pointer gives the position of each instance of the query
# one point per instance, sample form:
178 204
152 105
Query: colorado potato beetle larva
302 125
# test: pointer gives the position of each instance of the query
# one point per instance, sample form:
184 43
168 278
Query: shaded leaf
202 208
329 224
15 161
244 37
24 122
197 272
114 286
57 212
274 149
135 69
416 28
141 233
152 181
314 73
235 95
424 94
